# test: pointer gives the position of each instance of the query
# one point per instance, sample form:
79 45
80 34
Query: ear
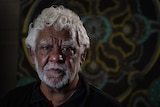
83 57
31 55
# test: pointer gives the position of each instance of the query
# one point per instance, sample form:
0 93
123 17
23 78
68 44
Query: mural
124 59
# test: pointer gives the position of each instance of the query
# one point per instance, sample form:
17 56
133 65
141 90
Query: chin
56 82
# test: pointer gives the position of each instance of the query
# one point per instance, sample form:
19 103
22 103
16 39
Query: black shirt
86 95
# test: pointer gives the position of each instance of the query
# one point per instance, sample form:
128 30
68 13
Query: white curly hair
60 18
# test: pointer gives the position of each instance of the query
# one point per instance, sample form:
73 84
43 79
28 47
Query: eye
68 50
45 49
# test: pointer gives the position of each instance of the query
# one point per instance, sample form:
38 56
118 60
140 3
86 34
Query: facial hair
65 72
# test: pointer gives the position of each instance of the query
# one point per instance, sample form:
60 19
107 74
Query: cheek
72 63
68 62
42 61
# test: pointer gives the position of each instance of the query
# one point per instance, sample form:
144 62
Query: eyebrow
69 43
43 42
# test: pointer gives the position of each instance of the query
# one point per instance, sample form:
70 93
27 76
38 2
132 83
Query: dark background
124 59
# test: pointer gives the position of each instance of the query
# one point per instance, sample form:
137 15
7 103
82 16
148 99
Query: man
57 43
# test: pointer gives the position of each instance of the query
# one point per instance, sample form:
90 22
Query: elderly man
57 44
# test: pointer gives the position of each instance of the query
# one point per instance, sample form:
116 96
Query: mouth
55 73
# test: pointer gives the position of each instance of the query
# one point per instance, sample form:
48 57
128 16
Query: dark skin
50 44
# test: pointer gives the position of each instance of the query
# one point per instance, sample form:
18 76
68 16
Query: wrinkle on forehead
50 35
52 32
60 42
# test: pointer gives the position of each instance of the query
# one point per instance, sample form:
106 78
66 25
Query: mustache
55 66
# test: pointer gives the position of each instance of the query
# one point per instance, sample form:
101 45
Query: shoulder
96 97
22 89
101 98
17 95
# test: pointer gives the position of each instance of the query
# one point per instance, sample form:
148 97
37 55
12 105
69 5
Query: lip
55 73
55 70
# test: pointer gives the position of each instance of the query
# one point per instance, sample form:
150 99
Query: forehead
50 33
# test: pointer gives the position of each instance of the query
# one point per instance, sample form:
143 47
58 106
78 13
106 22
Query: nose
56 58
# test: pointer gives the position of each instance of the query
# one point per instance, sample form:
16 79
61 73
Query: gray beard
66 79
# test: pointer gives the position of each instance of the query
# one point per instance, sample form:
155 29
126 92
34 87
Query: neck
59 95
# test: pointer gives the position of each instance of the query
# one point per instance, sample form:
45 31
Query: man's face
57 57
